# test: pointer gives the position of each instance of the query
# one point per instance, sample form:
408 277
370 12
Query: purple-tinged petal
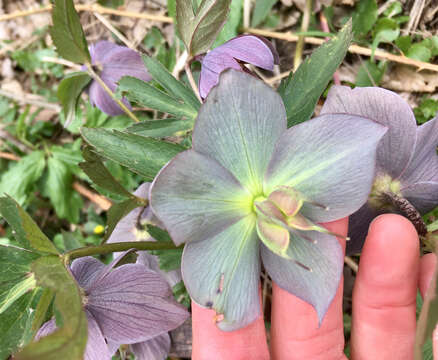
239 125
85 270
99 50
386 108
423 195
196 198
223 273
424 163
151 261
47 328
100 98
156 348
132 304
330 160
96 348
246 48
358 224
317 287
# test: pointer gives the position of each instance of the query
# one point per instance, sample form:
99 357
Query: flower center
384 187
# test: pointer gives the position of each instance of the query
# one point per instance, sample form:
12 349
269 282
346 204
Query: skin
384 298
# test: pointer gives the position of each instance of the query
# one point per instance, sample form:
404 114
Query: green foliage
145 156
145 94
261 11
118 211
19 180
370 73
167 259
386 30
32 60
231 27
364 16
69 92
67 33
301 90
427 109
181 295
161 128
198 26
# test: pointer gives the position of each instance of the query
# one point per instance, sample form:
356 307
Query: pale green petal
223 273
239 124
196 198
330 160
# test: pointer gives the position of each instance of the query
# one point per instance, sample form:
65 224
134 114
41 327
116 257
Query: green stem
192 79
96 77
116 247
304 27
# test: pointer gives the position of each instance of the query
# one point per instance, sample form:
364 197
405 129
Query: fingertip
428 265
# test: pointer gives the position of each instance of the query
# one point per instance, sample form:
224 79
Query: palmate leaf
301 90
67 33
199 27
160 128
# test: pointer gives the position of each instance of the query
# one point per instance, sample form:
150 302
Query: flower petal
386 108
99 50
246 48
132 304
329 160
238 126
85 270
96 345
325 258
423 195
46 329
223 273
196 198
156 348
358 224
424 163
100 99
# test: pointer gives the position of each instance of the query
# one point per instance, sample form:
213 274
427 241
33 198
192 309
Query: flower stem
192 80
304 27
96 77
116 247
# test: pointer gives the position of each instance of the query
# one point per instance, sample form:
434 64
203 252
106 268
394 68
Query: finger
210 343
428 265
384 296
294 329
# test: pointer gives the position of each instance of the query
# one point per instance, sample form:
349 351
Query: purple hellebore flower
113 62
124 305
250 191
248 49
407 161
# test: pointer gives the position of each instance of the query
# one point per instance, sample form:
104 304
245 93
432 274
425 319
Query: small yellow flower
99 229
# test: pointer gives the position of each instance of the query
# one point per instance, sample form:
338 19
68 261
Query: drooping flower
252 188
244 49
407 161
112 62
124 305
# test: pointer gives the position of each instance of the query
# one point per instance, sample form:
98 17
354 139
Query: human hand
384 304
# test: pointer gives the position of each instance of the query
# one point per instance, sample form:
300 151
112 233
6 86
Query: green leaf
58 187
386 30
41 309
143 155
172 85
231 28
27 233
15 325
301 91
394 9
19 179
364 16
119 211
15 277
261 11
424 112
158 233
199 27
69 93
161 128
67 343
96 171
144 94
404 43
370 74
419 52
67 33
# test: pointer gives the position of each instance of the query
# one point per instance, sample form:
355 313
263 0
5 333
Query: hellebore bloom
407 161
125 305
251 190
233 54
112 62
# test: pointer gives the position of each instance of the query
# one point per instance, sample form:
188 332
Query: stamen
312 241
302 265
326 208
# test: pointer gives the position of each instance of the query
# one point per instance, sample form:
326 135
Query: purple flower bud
249 49
112 63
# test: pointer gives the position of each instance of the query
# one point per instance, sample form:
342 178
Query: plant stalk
304 27
192 80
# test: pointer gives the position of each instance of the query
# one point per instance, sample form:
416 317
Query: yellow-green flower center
383 186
